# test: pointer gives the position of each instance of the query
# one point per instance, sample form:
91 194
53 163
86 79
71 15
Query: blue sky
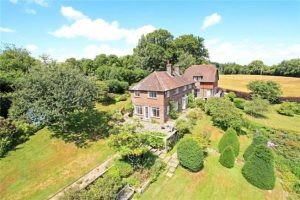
234 31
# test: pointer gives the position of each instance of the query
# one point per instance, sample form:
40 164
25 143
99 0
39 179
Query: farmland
290 86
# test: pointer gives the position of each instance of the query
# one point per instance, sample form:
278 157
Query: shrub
156 169
154 139
231 96
128 108
124 168
257 106
269 90
288 108
258 140
173 112
194 115
116 86
183 127
239 103
190 154
259 168
200 103
224 113
230 138
191 100
227 157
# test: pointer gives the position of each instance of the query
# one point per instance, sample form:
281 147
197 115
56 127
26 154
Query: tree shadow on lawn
83 126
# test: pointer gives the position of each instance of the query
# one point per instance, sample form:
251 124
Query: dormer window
137 93
198 78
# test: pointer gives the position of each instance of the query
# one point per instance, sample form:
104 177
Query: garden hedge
259 168
230 138
190 154
258 140
227 157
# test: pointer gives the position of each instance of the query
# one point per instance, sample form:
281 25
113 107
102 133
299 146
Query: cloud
97 29
30 11
6 30
43 3
72 14
245 51
31 47
91 51
211 20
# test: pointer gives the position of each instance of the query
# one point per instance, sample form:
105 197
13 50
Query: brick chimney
169 68
177 70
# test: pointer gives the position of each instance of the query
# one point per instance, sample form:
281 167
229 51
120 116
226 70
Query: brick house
206 79
151 96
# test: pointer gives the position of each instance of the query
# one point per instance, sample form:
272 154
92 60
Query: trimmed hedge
227 157
230 138
258 140
259 168
190 154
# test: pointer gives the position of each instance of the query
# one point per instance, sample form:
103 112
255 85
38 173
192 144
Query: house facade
151 96
206 79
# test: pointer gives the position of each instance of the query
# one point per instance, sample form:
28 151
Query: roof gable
208 72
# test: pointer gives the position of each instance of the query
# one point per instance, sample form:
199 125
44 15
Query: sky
234 30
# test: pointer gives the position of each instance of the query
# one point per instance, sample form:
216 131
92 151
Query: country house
151 96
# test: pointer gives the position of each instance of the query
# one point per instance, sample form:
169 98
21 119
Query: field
213 182
290 86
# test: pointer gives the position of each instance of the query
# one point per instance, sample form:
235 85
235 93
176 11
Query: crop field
290 86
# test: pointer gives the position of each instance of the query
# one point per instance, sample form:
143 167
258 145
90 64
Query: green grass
43 165
290 86
276 120
112 107
214 181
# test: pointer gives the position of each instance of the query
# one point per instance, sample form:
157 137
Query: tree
288 68
49 94
190 45
185 60
256 106
269 90
183 127
258 140
259 168
191 100
256 67
153 50
227 157
190 154
230 138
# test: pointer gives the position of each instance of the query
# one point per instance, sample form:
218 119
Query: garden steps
172 163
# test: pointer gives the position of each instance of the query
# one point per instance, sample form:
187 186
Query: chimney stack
177 70
169 68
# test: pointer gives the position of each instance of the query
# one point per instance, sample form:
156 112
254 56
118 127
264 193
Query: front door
146 113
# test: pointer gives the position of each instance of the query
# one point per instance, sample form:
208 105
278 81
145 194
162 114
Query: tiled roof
161 81
209 73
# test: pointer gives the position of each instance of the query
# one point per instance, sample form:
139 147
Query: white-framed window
152 94
137 93
168 110
167 93
176 105
190 86
155 111
198 78
138 109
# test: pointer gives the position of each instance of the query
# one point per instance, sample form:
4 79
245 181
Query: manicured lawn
112 107
214 181
290 86
43 165
275 120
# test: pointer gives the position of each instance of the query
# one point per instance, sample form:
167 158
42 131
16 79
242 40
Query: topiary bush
190 154
227 157
259 168
258 140
230 138
239 103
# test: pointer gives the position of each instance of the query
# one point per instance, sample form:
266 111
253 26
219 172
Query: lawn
112 107
214 181
43 165
290 86
275 120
